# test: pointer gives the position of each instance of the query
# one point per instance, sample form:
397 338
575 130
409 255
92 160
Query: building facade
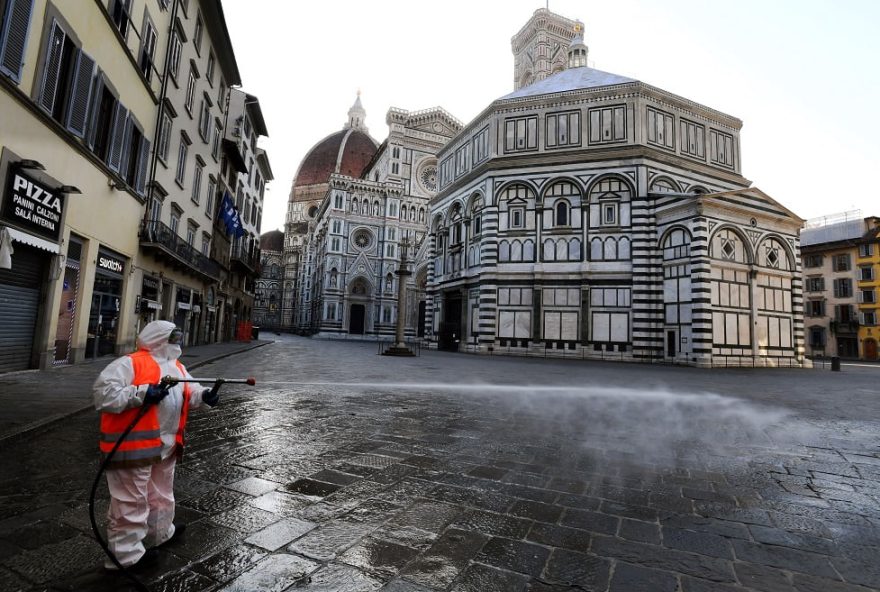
106 146
270 284
841 254
593 215
364 224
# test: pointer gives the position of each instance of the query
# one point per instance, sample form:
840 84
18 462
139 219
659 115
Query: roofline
263 161
637 85
252 104
212 10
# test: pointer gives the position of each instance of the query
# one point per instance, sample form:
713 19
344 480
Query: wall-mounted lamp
114 184
27 163
69 189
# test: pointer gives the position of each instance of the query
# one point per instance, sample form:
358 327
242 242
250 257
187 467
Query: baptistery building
589 214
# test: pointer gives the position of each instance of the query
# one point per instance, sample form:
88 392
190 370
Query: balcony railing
250 258
158 236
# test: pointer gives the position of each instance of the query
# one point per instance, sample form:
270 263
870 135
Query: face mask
167 352
174 351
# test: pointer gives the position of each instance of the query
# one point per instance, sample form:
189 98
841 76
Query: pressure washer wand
172 380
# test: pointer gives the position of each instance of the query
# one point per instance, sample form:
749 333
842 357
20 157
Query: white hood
154 339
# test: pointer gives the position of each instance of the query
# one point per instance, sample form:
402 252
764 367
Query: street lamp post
400 347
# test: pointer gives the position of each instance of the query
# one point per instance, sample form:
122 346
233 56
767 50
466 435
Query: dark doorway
356 319
847 347
420 330
450 325
670 344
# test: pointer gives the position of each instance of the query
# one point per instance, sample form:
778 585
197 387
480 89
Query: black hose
137 583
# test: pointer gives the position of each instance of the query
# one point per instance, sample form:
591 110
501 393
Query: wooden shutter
142 165
52 70
14 37
94 116
118 129
130 126
80 96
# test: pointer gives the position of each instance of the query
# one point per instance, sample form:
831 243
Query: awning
34 241
151 304
184 305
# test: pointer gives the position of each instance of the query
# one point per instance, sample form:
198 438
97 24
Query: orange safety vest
143 445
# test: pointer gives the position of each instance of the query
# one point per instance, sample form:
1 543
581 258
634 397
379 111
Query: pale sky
801 74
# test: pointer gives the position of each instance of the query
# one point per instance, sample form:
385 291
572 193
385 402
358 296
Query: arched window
549 250
561 213
677 245
609 251
504 251
727 245
623 250
609 202
663 186
456 223
596 249
476 216
516 251
772 254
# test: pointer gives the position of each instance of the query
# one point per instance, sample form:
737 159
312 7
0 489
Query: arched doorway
870 349
359 295
356 316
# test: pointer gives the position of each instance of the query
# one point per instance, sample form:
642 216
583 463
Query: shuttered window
13 37
81 95
69 84
117 137
55 58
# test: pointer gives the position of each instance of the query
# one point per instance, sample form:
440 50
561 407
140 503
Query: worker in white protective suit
140 476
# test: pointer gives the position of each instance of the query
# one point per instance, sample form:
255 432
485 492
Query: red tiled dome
357 150
272 241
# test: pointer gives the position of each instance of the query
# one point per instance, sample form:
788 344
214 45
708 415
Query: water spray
166 382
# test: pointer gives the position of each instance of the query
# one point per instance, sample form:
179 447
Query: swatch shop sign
32 206
110 264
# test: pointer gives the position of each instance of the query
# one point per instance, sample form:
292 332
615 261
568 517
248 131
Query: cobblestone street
347 471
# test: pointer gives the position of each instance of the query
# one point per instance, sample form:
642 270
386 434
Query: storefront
106 304
67 311
182 311
30 230
147 306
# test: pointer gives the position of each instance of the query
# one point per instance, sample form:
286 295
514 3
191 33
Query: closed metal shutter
19 304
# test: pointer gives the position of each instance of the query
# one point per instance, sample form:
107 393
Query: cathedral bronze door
356 319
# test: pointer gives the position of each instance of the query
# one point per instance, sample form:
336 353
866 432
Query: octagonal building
592 215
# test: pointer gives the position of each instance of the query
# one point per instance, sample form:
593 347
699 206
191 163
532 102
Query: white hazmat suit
142 498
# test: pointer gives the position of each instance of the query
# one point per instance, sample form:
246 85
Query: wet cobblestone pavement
347 471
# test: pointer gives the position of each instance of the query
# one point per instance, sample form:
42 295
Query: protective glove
155 393
212 397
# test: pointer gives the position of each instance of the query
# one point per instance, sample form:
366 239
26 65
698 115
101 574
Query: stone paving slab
463 478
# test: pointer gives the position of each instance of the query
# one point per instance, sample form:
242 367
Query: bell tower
540 48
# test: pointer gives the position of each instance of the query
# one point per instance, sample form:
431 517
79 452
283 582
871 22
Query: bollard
835 364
